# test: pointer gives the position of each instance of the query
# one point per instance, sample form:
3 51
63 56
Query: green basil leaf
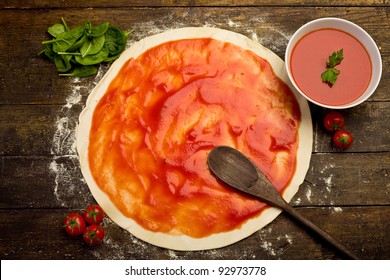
62 62
78 44
111 58
48 52
56 29
92 46
82 71
76 52
94 58
99 30
116 40
65 25
67 39
88 27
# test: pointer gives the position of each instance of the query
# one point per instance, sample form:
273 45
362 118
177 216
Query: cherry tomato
342 139
334 121
94 214
74 224
93 235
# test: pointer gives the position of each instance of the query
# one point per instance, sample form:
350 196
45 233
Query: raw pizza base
182 242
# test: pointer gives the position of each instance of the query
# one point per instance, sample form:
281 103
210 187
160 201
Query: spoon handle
295 214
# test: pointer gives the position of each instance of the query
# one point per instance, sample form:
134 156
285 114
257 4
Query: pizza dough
178 241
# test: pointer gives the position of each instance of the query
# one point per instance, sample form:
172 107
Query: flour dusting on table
274 247
65 165
337 209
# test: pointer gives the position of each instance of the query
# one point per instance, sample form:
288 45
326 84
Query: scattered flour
288 239
298 201
117 251
273 247
308 194
172 255
326 176
327 180
277 249
74 97
63 175
268 247
232 23
271 36
337 209
323 190
275 39
65 164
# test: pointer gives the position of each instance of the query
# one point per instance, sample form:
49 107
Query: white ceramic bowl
358 33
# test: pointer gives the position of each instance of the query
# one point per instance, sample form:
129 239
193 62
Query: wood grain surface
347 193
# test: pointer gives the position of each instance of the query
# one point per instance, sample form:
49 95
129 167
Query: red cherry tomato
342 139
94 214
93 235
74 224
334 121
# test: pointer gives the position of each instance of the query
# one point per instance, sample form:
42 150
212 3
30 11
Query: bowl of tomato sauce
333 63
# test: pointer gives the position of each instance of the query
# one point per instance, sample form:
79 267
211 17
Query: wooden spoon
236 170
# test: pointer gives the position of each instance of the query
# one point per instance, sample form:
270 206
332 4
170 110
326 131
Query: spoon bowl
242 176
236 170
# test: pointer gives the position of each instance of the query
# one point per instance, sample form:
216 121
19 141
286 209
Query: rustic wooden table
347 193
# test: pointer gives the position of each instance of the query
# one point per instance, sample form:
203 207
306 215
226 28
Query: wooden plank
45 130
335 181
40 182
38 82
32 129
29 4
341 179
40 236
365 122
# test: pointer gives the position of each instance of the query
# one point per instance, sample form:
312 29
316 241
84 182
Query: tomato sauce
163 113
308 62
